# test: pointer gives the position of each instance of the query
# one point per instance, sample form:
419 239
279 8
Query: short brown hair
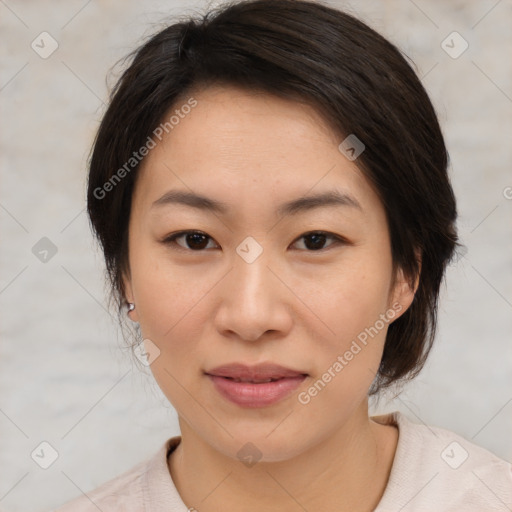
356 79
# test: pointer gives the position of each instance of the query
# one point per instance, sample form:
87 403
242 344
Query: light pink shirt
434 470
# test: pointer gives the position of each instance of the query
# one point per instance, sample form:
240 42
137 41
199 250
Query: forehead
237 127
248 145
258 113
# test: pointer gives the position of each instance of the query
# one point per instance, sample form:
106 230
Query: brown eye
193 240
198 241
315 240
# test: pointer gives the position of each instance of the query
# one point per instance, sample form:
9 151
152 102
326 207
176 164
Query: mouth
252 381
263 372
255 386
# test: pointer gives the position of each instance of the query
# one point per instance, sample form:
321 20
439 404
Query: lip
244 386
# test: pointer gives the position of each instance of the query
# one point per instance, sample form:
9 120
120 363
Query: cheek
347 361
172 308
175 302
165 293
354 296
352 302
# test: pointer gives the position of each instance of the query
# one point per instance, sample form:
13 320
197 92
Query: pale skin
294 306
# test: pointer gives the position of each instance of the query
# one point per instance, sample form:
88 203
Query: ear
129 295
404 290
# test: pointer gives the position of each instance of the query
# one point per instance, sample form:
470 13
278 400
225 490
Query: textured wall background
64 377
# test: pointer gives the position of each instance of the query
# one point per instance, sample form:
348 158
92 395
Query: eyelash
171 240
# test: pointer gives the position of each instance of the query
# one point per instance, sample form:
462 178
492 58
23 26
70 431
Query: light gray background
64 377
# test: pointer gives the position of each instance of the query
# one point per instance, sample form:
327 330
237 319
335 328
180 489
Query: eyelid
171 239
337 240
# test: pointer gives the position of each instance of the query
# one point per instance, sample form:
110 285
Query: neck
345 472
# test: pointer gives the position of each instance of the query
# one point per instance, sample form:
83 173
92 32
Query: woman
269 187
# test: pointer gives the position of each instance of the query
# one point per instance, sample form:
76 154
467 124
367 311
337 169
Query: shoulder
436 469
132 490
123 492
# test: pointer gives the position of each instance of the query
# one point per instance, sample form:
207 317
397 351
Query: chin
261 444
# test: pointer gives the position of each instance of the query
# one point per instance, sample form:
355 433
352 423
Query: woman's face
255 285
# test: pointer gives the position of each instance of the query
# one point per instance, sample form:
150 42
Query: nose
253 301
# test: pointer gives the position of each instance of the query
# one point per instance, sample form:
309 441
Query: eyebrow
302 204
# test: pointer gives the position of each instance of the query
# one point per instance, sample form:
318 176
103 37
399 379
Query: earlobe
129 299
